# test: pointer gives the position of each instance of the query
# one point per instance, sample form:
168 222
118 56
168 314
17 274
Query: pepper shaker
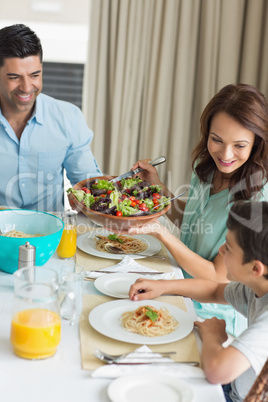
26 255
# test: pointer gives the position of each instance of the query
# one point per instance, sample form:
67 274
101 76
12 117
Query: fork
115 358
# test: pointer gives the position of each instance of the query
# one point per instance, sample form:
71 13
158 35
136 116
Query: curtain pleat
152 67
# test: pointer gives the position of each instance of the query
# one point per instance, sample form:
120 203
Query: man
39 135
246 259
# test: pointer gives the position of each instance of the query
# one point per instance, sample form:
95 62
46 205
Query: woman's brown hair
247 106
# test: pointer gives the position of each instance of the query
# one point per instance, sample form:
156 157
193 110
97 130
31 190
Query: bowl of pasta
121 205
40 229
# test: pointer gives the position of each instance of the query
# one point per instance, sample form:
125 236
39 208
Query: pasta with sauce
139 321
128 244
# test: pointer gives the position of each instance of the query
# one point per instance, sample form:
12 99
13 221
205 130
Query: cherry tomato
124 196
146 209
118 213
142 206
133 204
109 191
132 198
85 189
138 202
103 195
156 195
155 201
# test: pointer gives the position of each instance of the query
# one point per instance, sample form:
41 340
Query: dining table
62 377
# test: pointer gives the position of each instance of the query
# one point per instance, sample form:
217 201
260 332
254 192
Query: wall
62 25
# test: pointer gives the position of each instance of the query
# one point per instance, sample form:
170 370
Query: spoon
171 199
116 250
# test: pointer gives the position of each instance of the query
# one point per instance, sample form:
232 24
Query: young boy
246 259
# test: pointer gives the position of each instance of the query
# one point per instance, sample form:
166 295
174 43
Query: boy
246 259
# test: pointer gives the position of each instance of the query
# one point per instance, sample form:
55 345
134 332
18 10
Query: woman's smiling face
229 143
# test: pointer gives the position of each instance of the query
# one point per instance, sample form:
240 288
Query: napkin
129 264
176 370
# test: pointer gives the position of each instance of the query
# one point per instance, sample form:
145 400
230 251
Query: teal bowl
30 222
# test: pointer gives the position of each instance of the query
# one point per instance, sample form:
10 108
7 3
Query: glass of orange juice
36 316
67 247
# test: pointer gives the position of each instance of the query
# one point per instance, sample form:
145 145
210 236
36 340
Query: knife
155 162
123 272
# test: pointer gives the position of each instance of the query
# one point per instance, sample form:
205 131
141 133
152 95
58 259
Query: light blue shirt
203 231
56 137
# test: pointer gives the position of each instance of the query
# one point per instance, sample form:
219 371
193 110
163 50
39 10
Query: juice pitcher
36 312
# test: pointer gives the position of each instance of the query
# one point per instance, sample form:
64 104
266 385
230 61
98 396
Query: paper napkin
129 264
175 370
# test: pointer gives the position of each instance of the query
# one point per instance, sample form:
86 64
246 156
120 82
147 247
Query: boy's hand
144 289
212 327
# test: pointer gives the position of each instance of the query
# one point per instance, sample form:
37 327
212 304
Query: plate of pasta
94 242
116 320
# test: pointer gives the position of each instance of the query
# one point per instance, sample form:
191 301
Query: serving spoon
171 199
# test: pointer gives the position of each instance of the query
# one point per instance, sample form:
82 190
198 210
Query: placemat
90 262
90 339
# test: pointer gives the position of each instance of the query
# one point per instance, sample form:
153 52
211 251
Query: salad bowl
108 220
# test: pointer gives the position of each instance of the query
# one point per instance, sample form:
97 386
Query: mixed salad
127 197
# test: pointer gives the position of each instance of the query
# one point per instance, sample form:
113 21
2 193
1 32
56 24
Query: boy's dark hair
249 221
19 41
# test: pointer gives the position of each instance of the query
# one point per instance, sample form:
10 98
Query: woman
230 163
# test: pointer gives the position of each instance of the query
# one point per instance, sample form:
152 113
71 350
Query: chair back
259 390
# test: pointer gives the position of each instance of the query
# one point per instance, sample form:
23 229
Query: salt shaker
26 255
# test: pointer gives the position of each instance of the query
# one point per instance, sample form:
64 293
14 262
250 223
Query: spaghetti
18 233
127 244
149 321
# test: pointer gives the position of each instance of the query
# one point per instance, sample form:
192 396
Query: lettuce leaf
79 194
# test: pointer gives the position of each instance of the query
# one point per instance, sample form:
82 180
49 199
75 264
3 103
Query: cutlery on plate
155 162
117 250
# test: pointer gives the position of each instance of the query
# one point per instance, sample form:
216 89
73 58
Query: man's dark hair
19 41
249 221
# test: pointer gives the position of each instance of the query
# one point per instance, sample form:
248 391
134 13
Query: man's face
20 84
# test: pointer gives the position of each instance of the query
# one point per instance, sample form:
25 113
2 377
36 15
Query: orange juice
67 246
35 333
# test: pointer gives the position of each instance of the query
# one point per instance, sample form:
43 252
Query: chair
259 390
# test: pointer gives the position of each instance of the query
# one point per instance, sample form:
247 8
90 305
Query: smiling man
40 136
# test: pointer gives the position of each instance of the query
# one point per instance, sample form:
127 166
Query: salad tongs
155 162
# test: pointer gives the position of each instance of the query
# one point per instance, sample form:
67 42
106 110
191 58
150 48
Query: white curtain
152 67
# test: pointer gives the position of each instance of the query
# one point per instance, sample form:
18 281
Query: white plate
87 243
105 319
116 285
149 386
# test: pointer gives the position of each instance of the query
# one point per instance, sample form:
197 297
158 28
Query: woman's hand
144 289
149 174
